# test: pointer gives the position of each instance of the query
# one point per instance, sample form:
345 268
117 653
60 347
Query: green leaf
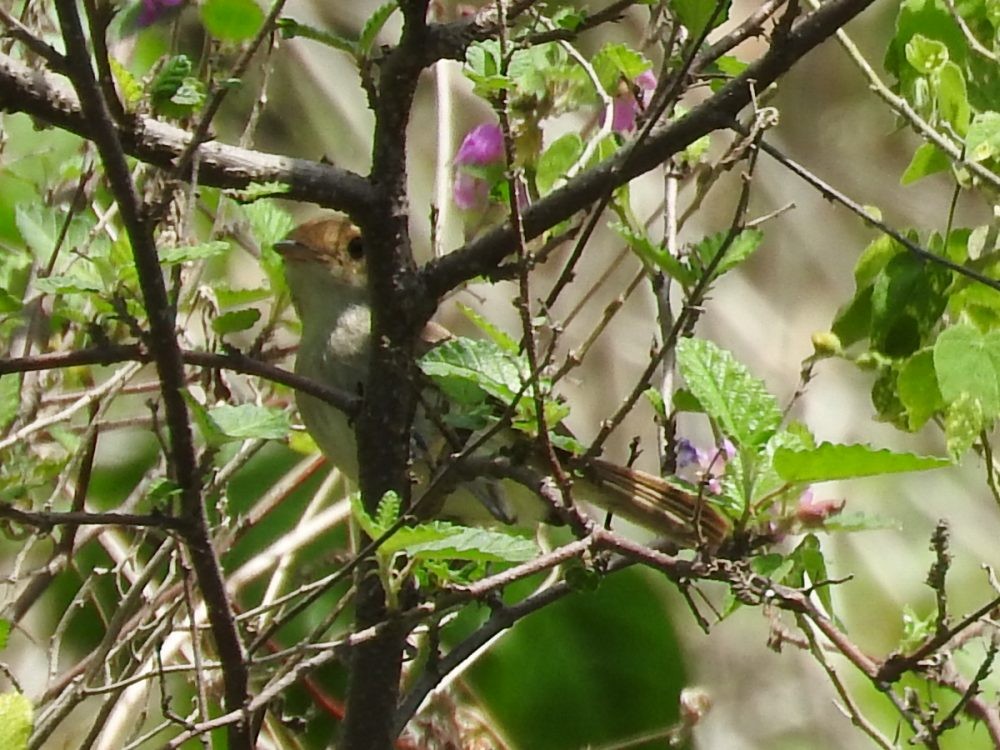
953 98
907 301
925 55
4 633
210 431
129 87
656 256
859 521
963 424
461 367
445 541
256 191
697 14
231 20
982 142
229 297
250 421
966 363
736 400
810 569
917 386
364 519
557 160
741 248
374 25
829 461
16 721
66 284
927 160
172 76
387 512
236 320
10 397
171 256
497 335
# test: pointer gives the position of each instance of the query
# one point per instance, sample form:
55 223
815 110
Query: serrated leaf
741 248
497 335
229 297
965 365
374 25
236 320
171 256
231 20
388 510
444 541
737 401
16 721
462 366
129 87
290 28
169 79
250 421
66 284
832 461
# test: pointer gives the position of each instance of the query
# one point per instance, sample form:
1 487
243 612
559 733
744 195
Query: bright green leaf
445 541
982 142
925 55
737 401
556 161
497 335
918 390
236 320
374 25
460 364
170 256
963 424
250 421
965 366
928 159
16 720
696 15
231 20
953 98
829 461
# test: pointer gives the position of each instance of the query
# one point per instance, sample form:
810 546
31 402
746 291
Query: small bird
325 268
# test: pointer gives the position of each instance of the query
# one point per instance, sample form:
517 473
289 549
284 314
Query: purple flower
153 10
481 149
482 146
625 108
704 467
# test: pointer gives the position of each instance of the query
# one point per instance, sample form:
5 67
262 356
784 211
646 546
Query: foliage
165 531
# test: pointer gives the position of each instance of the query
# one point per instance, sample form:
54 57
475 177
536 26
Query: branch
42 95
166 354
481 256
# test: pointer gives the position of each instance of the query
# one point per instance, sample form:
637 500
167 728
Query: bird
324 262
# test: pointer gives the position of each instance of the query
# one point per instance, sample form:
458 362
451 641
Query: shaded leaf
831 461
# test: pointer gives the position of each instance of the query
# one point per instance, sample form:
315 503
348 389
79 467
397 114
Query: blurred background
603 665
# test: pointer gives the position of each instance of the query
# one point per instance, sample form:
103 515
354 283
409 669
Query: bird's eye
356 248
